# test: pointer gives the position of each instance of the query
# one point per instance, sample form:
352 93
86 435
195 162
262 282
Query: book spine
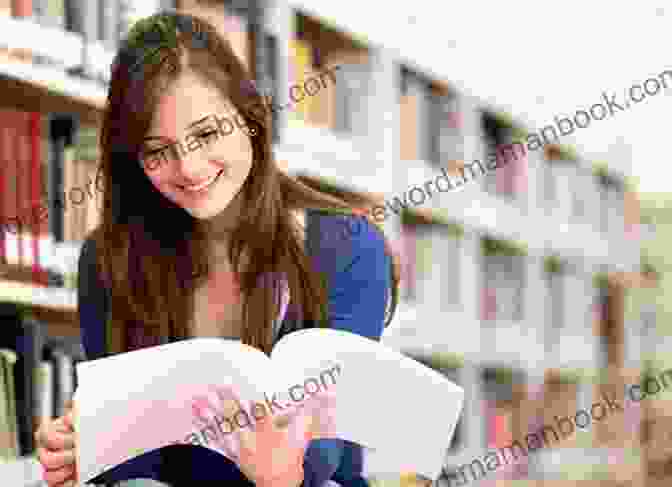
8 163
20 195
63 380
9 442
4 190
301 64
30 353
45 388
68 210
35 123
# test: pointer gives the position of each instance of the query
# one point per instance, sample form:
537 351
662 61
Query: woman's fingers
68 420
323 411
317 413
55 436
237 409
59 476
200 413
299 427
55 451
244 422
55 459
230 412
214 426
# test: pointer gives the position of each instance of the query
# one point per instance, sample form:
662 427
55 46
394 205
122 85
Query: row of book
47 162
37 379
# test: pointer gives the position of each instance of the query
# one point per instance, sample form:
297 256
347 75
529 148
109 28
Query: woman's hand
56 450
270 451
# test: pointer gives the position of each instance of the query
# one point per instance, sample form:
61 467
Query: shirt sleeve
352 258
92 303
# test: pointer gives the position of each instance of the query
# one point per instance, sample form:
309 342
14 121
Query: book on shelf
21 216
301 66
9 440
37 379
64 353
117 420
24 336
45 391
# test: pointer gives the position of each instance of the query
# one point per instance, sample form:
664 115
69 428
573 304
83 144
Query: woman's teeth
201 186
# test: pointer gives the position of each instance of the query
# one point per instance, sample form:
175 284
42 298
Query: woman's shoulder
340 236
351 252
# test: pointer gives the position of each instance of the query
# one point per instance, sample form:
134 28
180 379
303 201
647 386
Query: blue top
358 278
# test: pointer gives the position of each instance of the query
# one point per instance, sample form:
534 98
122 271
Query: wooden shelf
55 299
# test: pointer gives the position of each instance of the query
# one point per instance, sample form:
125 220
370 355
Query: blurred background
535 287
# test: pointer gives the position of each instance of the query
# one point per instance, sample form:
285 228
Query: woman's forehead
186 100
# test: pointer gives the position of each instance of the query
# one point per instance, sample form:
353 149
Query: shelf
57 299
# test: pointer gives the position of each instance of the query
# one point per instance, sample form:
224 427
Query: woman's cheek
162 185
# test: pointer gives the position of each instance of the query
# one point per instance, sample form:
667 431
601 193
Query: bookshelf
323 140
40 329
54 299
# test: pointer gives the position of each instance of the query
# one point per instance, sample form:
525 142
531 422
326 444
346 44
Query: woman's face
194 153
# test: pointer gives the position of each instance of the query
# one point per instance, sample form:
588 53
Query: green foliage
606 178
86 146
454 229
447 360
501 375
569 376
647 267
492 246
504 120
601 280
567 153
156 30
553 264
151 35
25 311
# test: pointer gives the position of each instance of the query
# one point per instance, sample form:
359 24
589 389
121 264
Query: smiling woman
200 243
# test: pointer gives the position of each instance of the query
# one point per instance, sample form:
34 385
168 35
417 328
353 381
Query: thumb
68 420
322 408
299 429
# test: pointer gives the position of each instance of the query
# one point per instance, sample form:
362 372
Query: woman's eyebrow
198 121
154 137
192 124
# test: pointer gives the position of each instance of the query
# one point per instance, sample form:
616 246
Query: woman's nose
190 165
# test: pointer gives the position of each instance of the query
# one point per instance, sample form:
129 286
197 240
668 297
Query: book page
385 401
139 401
135 402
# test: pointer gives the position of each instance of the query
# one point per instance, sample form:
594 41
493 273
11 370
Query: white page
385 400
139 401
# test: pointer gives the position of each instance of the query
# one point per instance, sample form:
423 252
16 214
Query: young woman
202 235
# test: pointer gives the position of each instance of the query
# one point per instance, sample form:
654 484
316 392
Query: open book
131 403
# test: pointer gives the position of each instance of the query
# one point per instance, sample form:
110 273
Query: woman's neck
219 228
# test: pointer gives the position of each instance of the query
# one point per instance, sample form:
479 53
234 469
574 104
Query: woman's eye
207 133
153 152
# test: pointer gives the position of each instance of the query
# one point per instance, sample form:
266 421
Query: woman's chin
203 208
204 213
208 211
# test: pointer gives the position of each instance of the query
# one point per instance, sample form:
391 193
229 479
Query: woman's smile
203 188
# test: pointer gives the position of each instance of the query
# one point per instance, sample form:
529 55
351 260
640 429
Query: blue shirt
349 252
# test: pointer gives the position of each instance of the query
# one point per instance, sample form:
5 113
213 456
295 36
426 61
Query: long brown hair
151 253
